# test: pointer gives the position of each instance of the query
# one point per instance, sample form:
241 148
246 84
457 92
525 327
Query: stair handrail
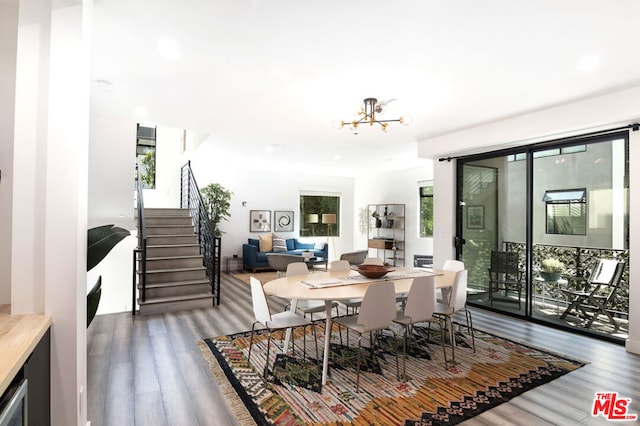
140 252
210 244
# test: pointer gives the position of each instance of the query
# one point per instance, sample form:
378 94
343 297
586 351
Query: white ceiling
278 73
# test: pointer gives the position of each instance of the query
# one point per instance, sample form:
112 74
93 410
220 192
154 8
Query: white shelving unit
385 232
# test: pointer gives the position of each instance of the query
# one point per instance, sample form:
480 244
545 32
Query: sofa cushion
254 242
262 257
307 246
279 243
291 244
266 242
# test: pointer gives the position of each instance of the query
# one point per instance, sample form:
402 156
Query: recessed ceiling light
168 48
588 63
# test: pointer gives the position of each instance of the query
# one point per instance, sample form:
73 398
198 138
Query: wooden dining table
342 285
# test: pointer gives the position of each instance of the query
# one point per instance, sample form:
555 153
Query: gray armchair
355 257
279 262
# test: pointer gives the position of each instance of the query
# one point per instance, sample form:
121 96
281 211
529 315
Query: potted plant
100 241
551 269
217 201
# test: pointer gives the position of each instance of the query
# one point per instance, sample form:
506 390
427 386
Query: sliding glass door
492 201
539 227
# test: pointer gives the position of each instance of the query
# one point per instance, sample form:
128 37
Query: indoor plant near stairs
217 201
551 269
100 241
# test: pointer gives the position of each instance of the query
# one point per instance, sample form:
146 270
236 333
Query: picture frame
283 221
260 221
475 217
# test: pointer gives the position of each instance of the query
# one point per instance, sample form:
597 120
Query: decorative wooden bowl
373 271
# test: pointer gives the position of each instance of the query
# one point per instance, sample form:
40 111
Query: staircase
176 278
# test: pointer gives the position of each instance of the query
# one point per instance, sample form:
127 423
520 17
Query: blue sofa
254 259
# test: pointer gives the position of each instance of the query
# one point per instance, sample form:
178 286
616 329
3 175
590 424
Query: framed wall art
475 217
260 221
283 221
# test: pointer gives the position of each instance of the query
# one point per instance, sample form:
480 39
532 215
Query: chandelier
368 112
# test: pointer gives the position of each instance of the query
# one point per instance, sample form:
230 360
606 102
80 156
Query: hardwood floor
147 370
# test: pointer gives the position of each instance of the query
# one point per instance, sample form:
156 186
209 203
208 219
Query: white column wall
611 110
633 342
49 190
30 146
66 211
8 54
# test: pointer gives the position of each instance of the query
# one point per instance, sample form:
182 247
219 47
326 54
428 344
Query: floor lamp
312 219
329 219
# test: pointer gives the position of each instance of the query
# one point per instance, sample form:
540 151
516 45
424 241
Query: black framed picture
283 221
260 220
475 217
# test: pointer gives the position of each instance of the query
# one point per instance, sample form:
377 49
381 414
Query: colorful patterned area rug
499 370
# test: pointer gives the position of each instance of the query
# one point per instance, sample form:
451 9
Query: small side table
560 282
233 262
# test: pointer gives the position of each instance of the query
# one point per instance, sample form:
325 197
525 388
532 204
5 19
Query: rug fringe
233 400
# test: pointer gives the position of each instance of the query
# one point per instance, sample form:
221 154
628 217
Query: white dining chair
377 311
419 308
373 261
458 303
307 306
454 266
339 265
343 265
279 321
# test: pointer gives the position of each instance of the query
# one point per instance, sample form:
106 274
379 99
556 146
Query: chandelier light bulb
406 120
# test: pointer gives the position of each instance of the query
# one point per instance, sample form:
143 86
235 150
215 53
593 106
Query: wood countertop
19 335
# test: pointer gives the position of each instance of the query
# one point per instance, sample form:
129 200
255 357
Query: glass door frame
529 150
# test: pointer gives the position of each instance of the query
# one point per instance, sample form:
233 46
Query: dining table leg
327 342
287 336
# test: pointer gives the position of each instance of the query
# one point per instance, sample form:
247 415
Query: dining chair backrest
459 291
340 265
298 268
453 265
378 306
373 261
421 300
260 306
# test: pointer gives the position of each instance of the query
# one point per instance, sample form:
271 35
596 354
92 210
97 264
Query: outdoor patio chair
505 277
597 294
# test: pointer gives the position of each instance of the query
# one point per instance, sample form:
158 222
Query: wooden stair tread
176 283
169 299
170 245
194 268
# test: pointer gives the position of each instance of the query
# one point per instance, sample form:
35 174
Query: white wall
169 159
8 53
268 190
46 207
610 110
399 186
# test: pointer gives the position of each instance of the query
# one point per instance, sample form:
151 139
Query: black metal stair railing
210 245
140 252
